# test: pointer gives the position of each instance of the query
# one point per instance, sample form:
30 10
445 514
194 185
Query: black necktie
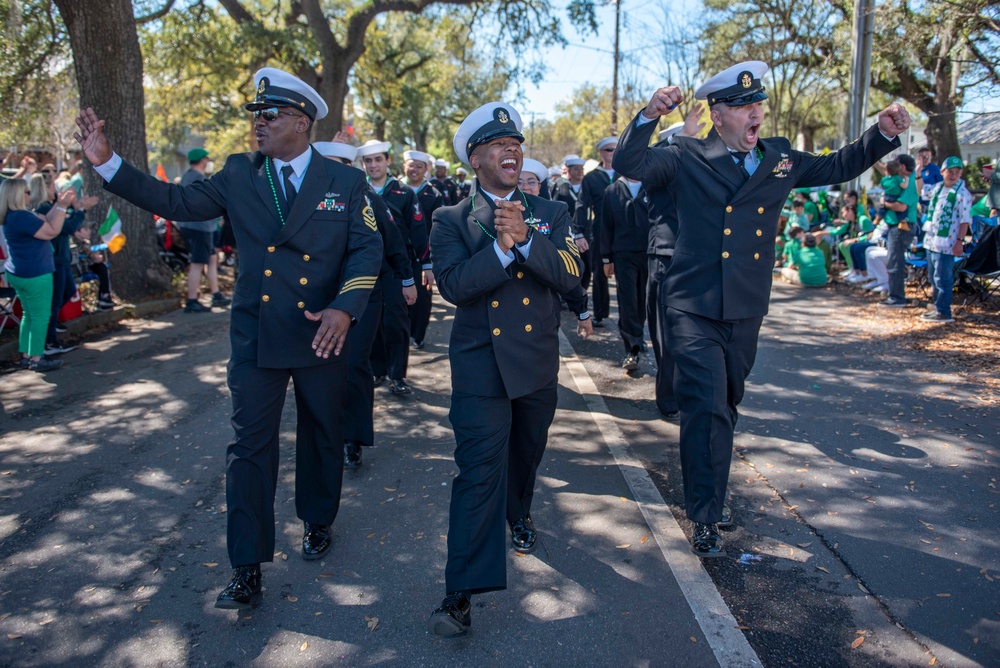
741 157
286 177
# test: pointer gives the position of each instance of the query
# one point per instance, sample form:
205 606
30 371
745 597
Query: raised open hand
92 139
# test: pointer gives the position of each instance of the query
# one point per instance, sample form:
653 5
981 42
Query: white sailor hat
281 89
736 86
373 146
336 149
536 168
462 170
442 163
554 170
488 122
590 166
607 141
572 160
671 131
419 156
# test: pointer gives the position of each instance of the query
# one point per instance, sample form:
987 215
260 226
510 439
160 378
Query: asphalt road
864 488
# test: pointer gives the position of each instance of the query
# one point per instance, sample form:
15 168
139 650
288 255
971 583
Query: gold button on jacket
495 303
760 233
301 304
305 257
267 272
270 249
525 301
729 209
527 328
496 331
265 298
520 274
303 281
760 210
727 231
725 254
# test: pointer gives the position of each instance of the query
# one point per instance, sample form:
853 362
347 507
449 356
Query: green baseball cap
953 161
197 154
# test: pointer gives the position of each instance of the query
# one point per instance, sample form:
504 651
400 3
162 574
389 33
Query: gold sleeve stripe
361 279
369 217
571 246
369 283
570 263
356 287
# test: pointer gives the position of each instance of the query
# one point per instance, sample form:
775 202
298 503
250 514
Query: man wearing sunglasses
310 253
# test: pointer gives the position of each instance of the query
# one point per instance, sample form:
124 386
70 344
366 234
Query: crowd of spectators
826 236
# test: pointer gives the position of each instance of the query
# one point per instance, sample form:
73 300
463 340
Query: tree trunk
942 132
108 67
333 89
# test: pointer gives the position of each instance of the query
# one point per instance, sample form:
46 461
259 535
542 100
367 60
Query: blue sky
587 58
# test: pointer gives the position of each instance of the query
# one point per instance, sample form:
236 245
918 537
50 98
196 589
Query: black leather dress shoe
706 542
671 416
453 619
598 322
726 521
378 380
316 541
243 591
523 535
400 387
352 455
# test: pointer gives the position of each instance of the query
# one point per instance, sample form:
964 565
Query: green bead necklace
274 192
530 222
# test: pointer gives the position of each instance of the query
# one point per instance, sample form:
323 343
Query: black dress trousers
258 396
360 398
495 482
712 359
420 311
631 272
656 315
391 350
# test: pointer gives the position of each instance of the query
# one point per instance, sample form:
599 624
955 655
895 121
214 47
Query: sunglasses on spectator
608 149
271 113
48 171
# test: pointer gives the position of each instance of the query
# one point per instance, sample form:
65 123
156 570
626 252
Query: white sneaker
858 278
847 273
880 288
869 285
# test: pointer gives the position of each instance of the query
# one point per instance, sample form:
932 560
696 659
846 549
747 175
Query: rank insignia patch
369 217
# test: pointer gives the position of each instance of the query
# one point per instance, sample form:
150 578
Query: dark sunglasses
608 149
271 113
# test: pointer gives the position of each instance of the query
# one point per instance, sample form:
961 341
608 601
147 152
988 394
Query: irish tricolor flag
111 231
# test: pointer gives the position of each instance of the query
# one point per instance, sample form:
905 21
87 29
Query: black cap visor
489 132
279 97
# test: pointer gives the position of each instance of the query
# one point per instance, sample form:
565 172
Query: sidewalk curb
78 327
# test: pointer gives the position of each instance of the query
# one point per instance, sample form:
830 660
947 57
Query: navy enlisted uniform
660 249
623 247
588 214
569 192
428 200
359 401
718 285
308 244
504 353
391 350
445 184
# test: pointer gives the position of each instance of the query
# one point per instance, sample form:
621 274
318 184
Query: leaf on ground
372 622
389 489
820 568
858 642
292 599
210 564
863 588
804 545
625 546
304 646
13 636
644 539
693 639
944 595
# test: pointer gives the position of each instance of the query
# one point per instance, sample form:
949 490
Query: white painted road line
728 643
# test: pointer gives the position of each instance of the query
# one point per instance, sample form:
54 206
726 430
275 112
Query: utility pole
861 66
531 137
614 83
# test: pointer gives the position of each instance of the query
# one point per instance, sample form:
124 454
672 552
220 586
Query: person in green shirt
808 266
983 217
792 245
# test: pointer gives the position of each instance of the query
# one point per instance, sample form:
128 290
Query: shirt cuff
427 267
887 137
583 316
409 282
108 170
505 258
642 120
525 249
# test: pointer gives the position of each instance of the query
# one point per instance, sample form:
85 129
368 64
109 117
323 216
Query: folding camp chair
980 270
7 300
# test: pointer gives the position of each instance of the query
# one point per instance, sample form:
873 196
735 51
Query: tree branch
158 14
238 12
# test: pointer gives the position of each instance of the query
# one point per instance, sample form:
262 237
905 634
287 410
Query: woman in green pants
30 264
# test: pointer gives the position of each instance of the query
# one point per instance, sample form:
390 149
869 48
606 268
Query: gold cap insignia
746 80
502 116
262 86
